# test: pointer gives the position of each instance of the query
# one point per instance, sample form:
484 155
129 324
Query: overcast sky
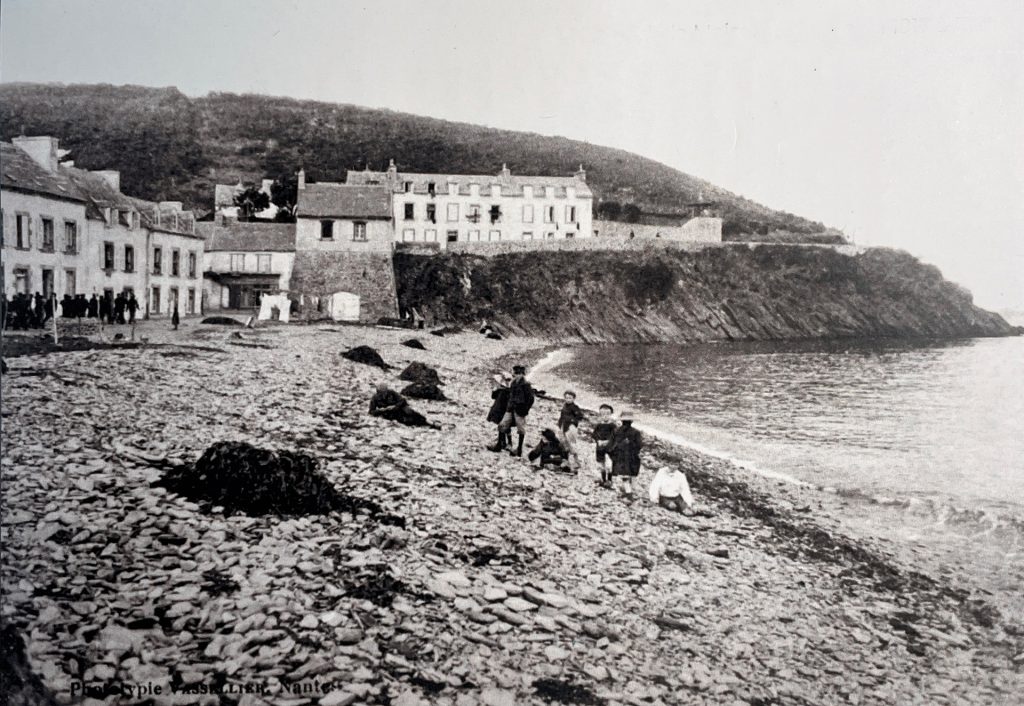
900 122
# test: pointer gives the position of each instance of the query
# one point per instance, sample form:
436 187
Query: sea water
923 441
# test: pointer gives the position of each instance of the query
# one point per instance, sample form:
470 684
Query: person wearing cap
671 490
624 450
520 400
568 425
500 394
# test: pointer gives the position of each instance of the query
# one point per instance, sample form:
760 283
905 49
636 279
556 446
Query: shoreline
763 598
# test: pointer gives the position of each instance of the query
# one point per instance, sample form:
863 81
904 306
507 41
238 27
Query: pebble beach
481 580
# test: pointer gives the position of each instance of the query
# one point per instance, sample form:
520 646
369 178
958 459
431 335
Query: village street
479 580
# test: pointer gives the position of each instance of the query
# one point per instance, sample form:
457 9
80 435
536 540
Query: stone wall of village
369 275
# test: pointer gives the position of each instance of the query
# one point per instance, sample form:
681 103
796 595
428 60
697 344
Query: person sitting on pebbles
671 490
388 404
624 450
549 451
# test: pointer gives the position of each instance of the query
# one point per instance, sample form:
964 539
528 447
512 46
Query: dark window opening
326 230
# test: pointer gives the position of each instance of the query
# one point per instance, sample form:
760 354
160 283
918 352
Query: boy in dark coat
568 426
132 305
602 435
624 449
520 400
500 395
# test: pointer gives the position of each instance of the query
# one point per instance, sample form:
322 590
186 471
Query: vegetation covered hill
669 295
170 146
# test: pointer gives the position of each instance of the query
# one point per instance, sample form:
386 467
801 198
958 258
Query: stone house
344 243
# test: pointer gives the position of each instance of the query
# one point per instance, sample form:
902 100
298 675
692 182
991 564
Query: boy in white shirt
671 490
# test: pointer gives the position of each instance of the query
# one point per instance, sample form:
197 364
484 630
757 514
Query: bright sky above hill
901 123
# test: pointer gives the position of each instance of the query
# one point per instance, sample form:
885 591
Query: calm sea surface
924 441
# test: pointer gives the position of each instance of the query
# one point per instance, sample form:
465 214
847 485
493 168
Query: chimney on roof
111 176
505 171
392 168
302 179
581 173
42 150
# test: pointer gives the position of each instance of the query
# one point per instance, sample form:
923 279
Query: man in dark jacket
94 306
119 308
500 395
624 450
132 305
520 401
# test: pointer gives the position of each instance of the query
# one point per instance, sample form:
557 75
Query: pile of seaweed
243 478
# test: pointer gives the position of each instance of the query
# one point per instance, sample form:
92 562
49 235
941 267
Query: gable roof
511 184
247 236
19 172
333 200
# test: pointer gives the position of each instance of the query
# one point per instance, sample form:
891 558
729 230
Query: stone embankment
682 295
480 581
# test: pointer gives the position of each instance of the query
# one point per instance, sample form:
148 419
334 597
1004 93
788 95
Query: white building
445 208
75 232
243 261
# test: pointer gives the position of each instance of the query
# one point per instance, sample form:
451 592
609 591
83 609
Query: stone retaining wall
369 275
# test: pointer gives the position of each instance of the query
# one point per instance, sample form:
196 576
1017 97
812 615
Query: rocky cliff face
734 293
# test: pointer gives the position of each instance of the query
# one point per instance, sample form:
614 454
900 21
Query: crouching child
671 490
549 451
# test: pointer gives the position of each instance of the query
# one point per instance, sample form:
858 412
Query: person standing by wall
132 305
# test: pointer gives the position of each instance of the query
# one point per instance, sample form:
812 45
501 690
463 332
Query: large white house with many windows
448 208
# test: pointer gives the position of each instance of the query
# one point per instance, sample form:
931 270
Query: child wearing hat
500 394
624 450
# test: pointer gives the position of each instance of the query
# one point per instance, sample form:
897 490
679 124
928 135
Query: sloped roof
511 184
247 236
344 201
20 172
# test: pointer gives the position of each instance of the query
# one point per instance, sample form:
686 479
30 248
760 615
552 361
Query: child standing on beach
602 434
624 449
568 425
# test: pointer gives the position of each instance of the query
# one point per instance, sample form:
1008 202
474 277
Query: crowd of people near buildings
24 311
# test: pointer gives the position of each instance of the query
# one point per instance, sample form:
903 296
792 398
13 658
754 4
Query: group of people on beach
24 311
617 443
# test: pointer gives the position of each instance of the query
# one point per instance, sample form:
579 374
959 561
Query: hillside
737 293
169 146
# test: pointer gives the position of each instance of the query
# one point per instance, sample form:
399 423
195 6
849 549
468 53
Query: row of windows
474 190
23 283
238 262
110 260
452 213
156 305
411 235
358 230
23 232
